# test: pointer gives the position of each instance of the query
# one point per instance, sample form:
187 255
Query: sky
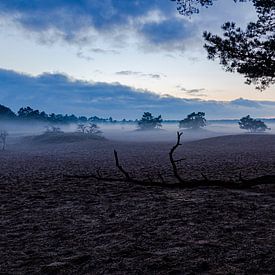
120 57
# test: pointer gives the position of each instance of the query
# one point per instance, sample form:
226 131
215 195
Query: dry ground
54 225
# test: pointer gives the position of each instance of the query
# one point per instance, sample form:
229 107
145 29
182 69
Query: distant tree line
27 113
147 122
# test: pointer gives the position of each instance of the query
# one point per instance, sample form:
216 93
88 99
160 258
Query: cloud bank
155 21
61 94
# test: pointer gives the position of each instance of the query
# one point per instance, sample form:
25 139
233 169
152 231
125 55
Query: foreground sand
55 225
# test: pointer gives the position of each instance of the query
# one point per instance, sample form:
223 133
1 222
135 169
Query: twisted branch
181 183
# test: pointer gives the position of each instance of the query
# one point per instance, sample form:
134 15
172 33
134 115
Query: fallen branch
181 183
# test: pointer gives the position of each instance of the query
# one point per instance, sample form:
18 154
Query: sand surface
51 224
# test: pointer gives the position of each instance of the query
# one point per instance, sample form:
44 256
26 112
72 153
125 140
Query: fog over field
130 132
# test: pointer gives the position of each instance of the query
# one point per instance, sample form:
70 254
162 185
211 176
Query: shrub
193 121
252 125
149 122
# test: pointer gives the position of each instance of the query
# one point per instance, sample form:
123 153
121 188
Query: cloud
60 93
193 92
155 76
246 103
81 55
169 33
102 51
76 21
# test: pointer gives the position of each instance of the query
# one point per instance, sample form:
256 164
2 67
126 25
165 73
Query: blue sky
117 56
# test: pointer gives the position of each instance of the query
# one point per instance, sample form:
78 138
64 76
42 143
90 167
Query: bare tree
90 128
3 138
93 129
81 128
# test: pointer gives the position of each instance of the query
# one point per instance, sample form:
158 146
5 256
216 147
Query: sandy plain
51 224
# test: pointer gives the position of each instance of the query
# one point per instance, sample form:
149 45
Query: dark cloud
61 94
71 20
168 32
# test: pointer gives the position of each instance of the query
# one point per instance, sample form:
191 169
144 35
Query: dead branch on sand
180 183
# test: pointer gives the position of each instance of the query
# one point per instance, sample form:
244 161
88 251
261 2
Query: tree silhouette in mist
149 122
6 113
252 125
193 121
90 128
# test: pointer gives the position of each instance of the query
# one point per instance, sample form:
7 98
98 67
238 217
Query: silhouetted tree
193 121
43 116
71 119
3 138
25 113
82 119
81 128
252 125
93 129
149 122
249 52
29 113
90 128
6 113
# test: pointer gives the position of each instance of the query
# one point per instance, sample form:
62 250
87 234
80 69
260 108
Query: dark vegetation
53 134
6 113
29 114
249 51
149 122
252 125
90 129
193 121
